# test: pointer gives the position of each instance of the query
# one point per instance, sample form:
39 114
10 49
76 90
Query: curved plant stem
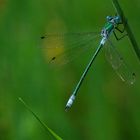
127 27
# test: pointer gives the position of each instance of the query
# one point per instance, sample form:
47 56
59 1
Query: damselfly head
114 19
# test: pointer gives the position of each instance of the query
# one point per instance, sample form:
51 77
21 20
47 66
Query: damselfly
115 59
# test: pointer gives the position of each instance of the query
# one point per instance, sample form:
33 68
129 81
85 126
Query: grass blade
38 119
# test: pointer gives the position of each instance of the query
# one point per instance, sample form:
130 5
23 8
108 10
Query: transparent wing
118 64
60 49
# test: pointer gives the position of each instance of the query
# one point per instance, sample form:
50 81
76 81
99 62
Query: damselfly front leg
121 31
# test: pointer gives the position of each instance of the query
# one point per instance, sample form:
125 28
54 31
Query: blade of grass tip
43 124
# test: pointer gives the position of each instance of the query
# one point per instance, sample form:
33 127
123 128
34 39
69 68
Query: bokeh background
105 109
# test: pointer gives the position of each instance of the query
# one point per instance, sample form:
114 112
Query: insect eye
117 19
108 18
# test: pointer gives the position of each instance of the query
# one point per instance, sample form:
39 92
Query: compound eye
109 18
118 19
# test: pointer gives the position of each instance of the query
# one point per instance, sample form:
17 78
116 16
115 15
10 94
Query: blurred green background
105 109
